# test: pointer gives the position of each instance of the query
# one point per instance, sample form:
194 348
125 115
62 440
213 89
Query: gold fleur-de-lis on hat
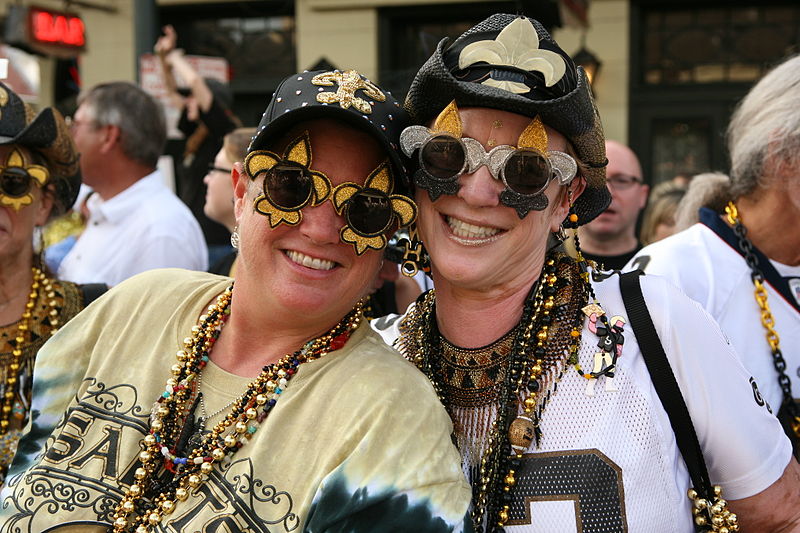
349 82
298 152
517 45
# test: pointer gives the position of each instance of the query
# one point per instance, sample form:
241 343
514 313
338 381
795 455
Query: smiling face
477 243
16 226
306 270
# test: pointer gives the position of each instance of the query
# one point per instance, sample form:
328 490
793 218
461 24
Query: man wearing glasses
611 239
136 223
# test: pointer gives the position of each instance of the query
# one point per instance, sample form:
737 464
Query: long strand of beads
23 329
524 430
248 412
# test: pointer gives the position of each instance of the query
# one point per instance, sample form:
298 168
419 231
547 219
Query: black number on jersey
588 478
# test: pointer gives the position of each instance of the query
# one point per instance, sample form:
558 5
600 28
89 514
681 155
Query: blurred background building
667 72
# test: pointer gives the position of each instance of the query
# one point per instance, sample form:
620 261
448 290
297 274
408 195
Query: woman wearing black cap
39 179
558 421
179 402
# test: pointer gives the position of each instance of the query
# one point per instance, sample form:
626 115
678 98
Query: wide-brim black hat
342 95
524 71
46 134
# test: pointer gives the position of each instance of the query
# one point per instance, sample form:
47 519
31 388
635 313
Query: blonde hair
236 142
660 209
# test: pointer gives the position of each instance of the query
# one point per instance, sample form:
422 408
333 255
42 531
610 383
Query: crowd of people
241 354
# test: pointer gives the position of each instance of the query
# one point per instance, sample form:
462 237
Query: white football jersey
716 276
608 459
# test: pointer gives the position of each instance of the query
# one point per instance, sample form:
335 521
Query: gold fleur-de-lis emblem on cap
517 45
349 82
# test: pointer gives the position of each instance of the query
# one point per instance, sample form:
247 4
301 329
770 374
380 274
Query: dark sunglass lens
527 172
443 157
369 212
15 182
288 186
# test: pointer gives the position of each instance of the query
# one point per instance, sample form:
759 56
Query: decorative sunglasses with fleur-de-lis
17 179
291 185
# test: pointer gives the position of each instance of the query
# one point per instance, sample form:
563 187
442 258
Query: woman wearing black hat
182 403
559 423
39 178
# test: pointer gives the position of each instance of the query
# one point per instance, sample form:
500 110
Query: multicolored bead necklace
41 287
150 501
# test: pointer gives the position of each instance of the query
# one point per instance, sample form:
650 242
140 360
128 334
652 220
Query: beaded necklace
40 281
767 320
536 365
147 501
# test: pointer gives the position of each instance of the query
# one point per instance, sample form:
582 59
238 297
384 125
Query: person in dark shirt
610 239
205 120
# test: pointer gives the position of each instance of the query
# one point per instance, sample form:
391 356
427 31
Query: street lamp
585 58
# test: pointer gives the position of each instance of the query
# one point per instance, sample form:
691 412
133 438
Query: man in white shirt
136 223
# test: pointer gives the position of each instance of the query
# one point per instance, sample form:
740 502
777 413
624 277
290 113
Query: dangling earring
570 222
38 247
572 217
415 258
235 237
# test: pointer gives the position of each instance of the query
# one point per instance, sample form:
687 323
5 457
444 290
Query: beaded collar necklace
41 287
148 500
548 333
767 319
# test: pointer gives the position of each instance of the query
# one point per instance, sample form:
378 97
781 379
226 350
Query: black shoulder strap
92 291
664 381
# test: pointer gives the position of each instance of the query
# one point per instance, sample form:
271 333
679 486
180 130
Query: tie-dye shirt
357 442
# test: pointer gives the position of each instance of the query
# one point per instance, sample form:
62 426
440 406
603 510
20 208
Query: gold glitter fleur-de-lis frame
298 152
379 184
39 175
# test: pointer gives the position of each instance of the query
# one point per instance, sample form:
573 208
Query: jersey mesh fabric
608 459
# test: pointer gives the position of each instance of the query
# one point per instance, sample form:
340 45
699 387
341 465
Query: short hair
139 117
766 124
236 142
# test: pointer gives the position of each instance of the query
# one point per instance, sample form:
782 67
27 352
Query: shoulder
667 303
372 367
163 286
691 245
162 208
385 364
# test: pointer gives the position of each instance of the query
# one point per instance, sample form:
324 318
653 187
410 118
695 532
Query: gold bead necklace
40 287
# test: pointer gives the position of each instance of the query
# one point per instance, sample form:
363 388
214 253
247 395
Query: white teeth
470 231
310 262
